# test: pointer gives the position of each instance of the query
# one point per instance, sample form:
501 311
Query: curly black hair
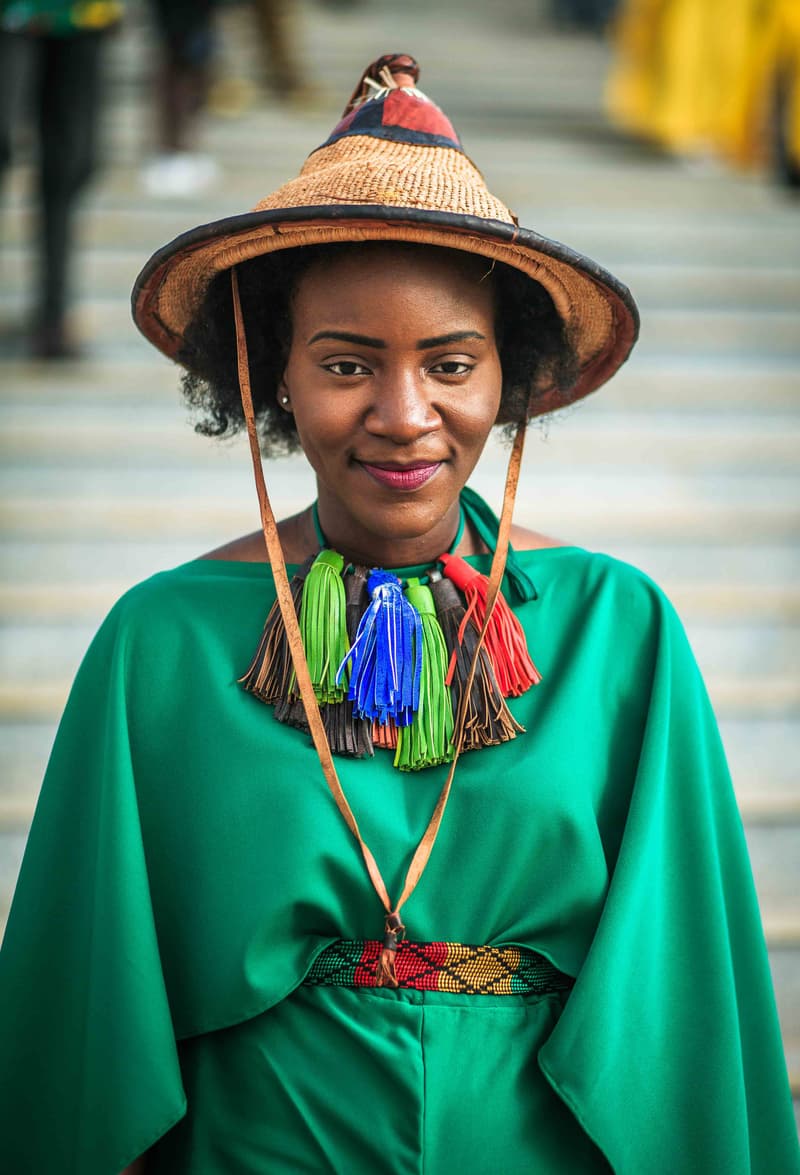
533 343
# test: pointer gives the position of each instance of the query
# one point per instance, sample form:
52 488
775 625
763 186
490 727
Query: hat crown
393 148
387 105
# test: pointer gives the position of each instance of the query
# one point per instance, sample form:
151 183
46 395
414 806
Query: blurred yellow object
770 94
96 14
710 75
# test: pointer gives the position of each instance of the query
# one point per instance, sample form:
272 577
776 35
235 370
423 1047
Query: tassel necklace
389 652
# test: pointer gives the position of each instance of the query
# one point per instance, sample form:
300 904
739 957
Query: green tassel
428 739
323 626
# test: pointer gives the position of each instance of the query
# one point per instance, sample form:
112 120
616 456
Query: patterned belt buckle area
441 966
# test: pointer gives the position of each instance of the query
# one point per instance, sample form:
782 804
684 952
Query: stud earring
284 400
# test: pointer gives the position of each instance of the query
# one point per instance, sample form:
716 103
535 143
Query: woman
583 984
52 55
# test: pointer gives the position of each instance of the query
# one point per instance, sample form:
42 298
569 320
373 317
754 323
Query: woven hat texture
393 169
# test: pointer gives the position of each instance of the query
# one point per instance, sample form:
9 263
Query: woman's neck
374 549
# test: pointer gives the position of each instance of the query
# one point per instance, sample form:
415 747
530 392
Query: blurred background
661 137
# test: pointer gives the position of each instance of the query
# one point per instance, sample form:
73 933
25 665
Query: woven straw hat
393 169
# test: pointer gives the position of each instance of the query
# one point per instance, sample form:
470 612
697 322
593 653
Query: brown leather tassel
489 721
269 674
347 735
356 598
386 966
385 735
291 712
342 729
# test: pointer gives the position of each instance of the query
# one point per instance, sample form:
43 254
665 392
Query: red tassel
505 640
384 734
386 968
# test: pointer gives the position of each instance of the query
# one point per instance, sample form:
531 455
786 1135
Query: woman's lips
402 477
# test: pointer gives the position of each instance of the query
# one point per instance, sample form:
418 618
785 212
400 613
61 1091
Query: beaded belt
441 966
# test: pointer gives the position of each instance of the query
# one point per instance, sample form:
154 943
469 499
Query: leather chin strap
286 605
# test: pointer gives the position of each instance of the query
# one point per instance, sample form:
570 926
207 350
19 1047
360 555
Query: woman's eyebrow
344 336
456 336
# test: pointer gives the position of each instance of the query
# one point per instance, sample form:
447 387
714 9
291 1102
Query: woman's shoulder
184 592
248 548
567 564
296 542
525 539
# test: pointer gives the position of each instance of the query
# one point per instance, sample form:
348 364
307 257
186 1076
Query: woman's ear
283 397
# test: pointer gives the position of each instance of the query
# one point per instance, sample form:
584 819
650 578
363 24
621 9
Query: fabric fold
89 1058
671 1024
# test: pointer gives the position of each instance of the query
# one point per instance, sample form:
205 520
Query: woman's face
394 381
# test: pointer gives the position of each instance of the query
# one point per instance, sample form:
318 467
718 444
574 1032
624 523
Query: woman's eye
346 367
452 367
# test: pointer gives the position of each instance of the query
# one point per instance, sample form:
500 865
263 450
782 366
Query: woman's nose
402 408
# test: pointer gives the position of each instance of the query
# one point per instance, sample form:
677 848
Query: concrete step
709 387
785 967
615 238
605 524
211 502
775 858
695 332
683 566
719 385
100 435
536 169
656 284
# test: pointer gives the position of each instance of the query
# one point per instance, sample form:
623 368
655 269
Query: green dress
187 864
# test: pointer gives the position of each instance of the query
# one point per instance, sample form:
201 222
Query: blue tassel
385 655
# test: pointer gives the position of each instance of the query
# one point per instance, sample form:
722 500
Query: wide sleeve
669 1051
88 1062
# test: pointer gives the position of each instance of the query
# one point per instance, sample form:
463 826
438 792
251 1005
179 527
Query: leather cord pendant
286 604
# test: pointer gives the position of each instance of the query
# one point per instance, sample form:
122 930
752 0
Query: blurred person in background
51 52
712 77
185 32
282 66
276 25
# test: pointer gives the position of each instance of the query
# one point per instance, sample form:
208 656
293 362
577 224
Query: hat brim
598 310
